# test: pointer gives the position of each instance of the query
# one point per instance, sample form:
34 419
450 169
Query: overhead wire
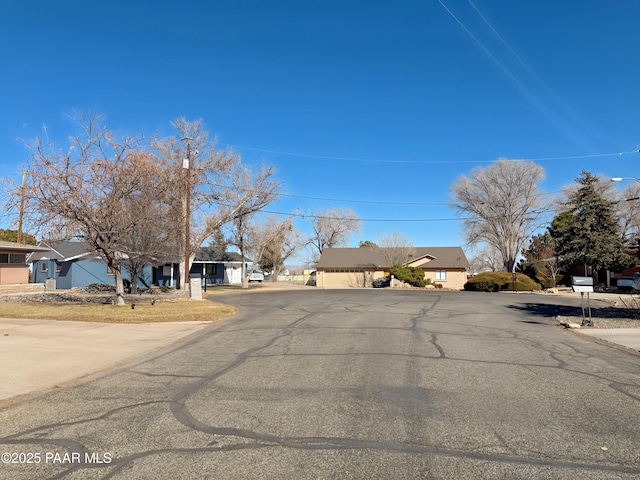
378 220
524 89
425 162
372 202
567 107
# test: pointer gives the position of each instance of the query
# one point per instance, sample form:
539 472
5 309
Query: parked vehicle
256 277
630 283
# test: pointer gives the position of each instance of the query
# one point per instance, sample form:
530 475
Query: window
17 258
13 258
211 269
43 267
109 272
441 275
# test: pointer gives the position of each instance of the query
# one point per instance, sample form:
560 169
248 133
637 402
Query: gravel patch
103 294
618 313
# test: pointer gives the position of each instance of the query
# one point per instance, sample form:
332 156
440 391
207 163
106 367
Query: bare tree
360 280
260 239
332 228
627 208
249 194
281 247
88 188
553 266
505 205
149 241
206 178
396 248
130 204
485 259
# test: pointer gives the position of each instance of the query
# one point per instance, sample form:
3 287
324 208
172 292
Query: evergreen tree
367 244
218 245
540 261
12 236
589 233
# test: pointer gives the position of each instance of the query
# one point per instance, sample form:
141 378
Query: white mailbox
582 284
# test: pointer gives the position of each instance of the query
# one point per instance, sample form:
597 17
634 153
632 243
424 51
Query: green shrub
414 276
497 281
539 276
546 282
381 282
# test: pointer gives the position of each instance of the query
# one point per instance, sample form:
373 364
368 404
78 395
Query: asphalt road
348 384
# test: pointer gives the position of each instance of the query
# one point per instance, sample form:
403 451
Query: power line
396 220
380 220
533 74
424 162
524 89
373 202
378 202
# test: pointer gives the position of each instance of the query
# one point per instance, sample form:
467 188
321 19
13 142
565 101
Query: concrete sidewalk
40 354
627 337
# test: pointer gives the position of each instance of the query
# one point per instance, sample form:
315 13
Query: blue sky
372 105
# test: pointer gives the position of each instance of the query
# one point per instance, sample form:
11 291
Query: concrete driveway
40 354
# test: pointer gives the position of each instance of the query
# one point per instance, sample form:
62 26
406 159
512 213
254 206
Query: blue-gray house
75 264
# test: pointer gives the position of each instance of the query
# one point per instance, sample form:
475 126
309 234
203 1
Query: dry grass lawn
144 312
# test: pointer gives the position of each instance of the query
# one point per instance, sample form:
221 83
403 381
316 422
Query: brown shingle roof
444 257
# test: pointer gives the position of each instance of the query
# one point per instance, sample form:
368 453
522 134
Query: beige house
358 267
13 265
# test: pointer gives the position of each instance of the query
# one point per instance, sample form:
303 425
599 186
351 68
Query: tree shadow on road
545 310
551 310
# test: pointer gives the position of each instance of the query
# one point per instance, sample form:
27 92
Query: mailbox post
583 285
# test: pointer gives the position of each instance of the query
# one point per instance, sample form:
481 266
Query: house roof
364 257
67 250
62 250
20 247
208 254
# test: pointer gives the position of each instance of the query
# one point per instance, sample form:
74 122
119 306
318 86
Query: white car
256 277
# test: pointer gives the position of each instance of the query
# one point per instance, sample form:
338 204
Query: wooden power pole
21 215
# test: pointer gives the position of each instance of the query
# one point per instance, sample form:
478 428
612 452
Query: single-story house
14 269
213 268
358 267
217 269
76 264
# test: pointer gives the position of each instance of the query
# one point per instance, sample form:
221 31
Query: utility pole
20 217
186 164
